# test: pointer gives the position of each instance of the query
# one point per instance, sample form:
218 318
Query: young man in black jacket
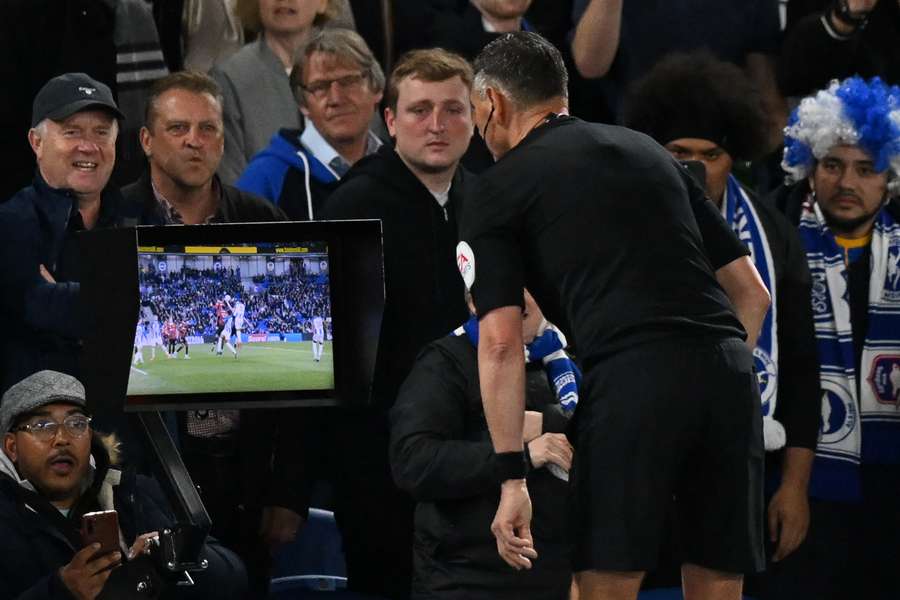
441 453
416 190
53 469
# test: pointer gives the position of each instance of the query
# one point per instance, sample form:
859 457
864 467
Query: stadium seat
314 561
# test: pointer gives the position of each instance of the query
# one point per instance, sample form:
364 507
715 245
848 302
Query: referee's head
519 79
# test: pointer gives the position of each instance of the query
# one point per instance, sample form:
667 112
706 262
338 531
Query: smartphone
101 527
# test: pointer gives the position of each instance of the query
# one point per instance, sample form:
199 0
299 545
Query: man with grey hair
620 248
338 85
74 126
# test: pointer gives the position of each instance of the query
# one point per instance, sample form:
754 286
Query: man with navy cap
74 125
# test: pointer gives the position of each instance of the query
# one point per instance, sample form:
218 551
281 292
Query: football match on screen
237 318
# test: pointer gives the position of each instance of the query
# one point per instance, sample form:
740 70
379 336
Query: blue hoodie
278 173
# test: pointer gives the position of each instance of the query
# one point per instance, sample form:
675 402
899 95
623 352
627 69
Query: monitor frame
110 298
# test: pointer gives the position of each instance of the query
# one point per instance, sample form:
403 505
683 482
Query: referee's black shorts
670 419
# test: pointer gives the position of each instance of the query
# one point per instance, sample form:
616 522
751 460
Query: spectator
183 138
254 81
73 132
620 41
196 35
416 190
113 41
704 109
842 151
828 40
441 453
53 470
338 86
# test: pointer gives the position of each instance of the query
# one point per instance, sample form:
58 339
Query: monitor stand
181 545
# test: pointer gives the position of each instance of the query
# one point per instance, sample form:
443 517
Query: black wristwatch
510 465
841 12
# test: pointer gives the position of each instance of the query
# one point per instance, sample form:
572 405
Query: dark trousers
851 550
234 524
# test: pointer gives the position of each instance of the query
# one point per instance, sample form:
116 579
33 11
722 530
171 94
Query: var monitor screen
247 317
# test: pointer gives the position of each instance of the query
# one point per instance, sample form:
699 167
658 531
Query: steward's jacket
441 453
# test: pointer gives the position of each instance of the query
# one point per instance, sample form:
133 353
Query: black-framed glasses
320 88
46 429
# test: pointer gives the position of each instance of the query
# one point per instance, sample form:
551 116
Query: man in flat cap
74 126
53 469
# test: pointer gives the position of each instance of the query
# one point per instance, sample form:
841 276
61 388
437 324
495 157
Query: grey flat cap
37 390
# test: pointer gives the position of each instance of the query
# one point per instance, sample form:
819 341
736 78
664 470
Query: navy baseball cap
67 94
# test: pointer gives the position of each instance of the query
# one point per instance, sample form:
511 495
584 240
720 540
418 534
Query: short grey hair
525 67
345 45
41 128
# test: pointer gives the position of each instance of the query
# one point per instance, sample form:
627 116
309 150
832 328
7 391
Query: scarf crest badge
860 408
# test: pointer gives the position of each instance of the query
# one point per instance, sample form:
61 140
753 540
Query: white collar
323 151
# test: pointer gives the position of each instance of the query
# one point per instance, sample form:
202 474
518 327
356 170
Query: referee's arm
501 367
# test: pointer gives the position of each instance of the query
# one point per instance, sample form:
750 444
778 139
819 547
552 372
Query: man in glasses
338 85
53 470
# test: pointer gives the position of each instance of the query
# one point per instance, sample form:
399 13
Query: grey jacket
258 102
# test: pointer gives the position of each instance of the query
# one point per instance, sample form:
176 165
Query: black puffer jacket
441 453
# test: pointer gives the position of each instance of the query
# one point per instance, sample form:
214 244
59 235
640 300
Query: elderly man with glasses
53 469
338 85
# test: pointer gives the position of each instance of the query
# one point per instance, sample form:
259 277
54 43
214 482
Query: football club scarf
860 412
547 347
740 213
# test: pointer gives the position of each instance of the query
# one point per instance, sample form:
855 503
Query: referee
621 248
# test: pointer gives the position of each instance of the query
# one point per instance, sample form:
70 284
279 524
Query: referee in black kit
619 245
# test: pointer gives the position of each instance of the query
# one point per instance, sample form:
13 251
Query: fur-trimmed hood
105 451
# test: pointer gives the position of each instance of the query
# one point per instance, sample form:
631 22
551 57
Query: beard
844 225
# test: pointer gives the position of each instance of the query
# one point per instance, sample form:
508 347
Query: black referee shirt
613 238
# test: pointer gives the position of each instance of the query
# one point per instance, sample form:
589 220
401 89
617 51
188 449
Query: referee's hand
512 525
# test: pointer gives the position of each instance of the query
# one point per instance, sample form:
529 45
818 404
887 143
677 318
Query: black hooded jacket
424 291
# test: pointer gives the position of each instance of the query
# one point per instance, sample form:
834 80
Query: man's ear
145 138
389 118
10 447
35 141
501 104
812 184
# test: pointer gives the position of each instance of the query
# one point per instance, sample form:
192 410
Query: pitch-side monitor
235 316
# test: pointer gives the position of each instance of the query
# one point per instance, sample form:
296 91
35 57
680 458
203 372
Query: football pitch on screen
258 366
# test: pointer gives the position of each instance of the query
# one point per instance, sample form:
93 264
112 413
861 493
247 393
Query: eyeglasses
320 88
46 429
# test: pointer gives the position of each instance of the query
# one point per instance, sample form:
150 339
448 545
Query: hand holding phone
102 528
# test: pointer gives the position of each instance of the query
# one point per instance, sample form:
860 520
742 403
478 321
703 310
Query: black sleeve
798 361
721 243
811 57
44 307
489 255
351 200
429 458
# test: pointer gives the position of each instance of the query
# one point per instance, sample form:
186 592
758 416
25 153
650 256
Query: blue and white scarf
860 420
547 347
740 213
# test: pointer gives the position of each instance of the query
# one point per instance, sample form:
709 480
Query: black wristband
841 12
510 465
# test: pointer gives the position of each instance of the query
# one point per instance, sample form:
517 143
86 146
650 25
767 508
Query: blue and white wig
850 112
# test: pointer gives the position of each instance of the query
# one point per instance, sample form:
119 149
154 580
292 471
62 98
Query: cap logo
465 261
87 91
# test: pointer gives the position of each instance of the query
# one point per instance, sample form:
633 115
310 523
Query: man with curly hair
842 151
703 109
